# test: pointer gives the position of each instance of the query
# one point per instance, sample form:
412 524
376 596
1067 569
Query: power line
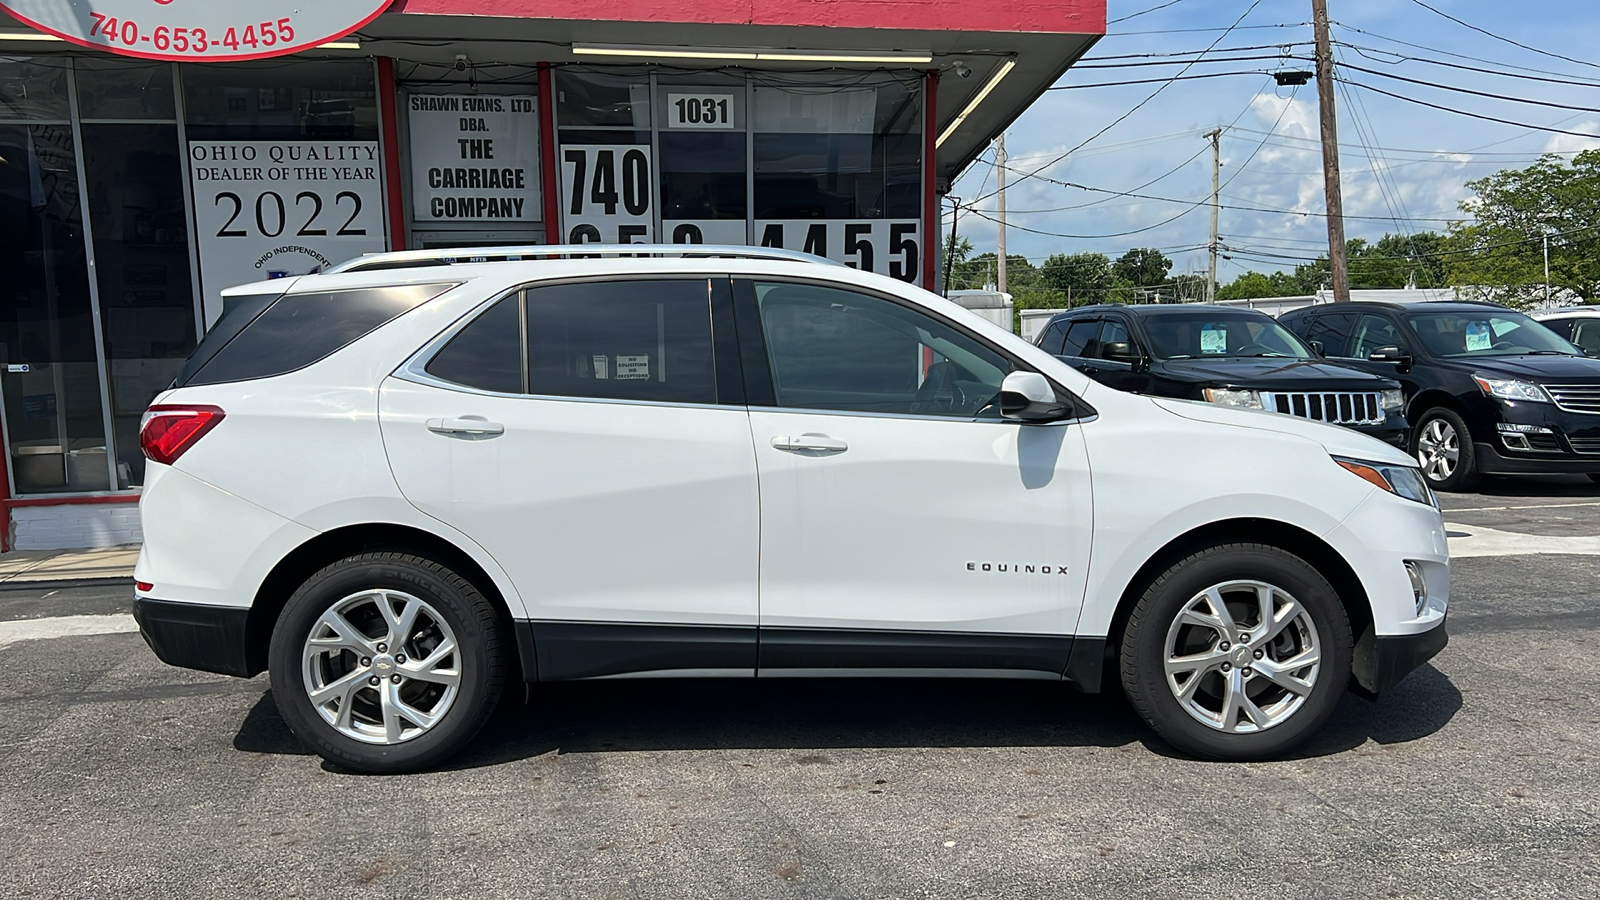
1462 90
1403 43
1283 46
1162 81
1173 62
1137 106
1502 38
1399 58
1145 12
1462 112
1233 27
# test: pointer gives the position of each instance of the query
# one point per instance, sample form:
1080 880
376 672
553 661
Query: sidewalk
63 565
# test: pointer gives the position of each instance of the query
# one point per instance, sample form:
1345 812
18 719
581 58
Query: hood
1273 374
1556 369
1336 439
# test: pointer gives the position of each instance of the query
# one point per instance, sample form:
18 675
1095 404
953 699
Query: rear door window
1050 341
1332 330
296 330
622 340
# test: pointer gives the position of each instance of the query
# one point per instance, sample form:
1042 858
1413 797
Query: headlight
1234 398
1508 389
1393 401
1402 481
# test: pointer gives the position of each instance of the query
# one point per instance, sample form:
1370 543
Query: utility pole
1216 177
1337 265
1000 170
1547 267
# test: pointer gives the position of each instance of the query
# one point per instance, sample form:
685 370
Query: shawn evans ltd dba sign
197 30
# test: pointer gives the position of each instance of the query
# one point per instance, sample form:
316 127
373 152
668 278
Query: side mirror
1318 348
1390 355
1028 397
1122 351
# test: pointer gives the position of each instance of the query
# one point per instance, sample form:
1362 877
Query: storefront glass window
607 99
846 151
34 89
704 149
310 99
124 89
54 413
136 210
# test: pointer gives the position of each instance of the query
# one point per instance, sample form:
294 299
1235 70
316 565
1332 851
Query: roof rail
405 259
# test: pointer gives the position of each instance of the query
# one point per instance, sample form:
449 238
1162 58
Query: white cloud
1571 143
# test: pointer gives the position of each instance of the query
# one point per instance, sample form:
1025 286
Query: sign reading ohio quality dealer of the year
474 158
197 30
272 209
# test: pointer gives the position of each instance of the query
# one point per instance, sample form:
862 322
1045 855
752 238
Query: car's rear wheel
1239 651
386 662
1443 448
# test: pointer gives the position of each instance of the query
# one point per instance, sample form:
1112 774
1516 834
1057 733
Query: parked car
1232 357
1578 324
400 485
1488 390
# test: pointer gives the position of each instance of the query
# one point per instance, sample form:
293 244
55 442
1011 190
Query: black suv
1224 355
1489 390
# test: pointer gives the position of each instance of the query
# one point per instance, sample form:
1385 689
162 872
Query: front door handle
466 426
810 442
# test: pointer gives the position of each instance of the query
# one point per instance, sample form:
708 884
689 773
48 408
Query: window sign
890 247
212 31
1213 338
606 194
272 209
702 109
474 158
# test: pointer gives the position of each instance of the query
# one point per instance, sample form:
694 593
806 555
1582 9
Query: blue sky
1271 159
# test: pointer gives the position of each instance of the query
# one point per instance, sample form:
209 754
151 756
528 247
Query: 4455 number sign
197 30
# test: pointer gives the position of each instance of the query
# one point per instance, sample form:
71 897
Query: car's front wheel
386 662
1239 651
1444 450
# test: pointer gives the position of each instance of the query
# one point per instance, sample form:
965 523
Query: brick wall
75 527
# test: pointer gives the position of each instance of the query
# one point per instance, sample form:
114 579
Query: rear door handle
469 426
810 442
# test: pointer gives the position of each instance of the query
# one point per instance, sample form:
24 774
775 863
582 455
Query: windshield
1218 335
1497 333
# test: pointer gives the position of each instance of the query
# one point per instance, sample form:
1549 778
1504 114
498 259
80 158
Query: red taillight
143 587
167 431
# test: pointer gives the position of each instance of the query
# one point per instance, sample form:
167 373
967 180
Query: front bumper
1394 431
1557 450
195 636
1382 661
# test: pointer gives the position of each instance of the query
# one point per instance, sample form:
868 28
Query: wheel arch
1432 398
331 546
1317 553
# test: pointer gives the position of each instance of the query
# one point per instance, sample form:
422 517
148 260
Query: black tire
1465 476
480 660
1144 651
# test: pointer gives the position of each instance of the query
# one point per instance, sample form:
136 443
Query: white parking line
1472 509
64 626
1481 540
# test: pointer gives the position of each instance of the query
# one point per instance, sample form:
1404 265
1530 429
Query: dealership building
145 167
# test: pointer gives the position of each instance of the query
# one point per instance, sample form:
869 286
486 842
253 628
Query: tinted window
1563 327
1332 330
1050 341
1114 343
300 329
836 349
1489 332
1586 334
1373 332
622 340
1081 336
487 354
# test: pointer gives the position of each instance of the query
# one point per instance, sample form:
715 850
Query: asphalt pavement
1478 776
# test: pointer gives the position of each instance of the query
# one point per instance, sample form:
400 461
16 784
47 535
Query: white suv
401 484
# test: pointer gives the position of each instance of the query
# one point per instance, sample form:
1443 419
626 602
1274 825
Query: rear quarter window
297 330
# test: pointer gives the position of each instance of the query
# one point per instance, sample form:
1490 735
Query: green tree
1257 284
1084 278
1502 250
1142 267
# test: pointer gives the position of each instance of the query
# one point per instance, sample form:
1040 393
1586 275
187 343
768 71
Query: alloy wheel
1242 656
1438 449
381 667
